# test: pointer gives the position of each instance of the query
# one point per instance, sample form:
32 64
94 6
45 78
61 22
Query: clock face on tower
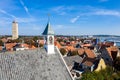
50 40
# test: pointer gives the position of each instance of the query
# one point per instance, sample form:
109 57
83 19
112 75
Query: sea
116 40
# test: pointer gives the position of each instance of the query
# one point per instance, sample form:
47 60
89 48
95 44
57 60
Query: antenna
48 17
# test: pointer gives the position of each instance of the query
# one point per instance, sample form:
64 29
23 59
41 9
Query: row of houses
15 47
91 56
9 45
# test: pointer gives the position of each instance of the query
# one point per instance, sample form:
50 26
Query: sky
67 17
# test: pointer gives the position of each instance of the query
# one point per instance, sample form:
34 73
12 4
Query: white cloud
57 9
91 11
4 21
107 12
6 13
25 20
73 20
59 26
25 8
62 10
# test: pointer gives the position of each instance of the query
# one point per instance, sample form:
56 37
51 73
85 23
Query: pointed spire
48 30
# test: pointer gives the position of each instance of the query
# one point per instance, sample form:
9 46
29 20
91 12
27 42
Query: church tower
14 30
49 39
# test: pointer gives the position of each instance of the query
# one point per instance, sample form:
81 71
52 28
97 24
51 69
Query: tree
40 45
116 63
1 43
59 39
105 74
29 42
73 53
35 38
63 51
17 40
71 39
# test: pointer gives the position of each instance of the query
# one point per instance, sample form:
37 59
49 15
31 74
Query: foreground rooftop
32 65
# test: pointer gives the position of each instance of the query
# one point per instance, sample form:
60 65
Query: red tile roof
0 47
110 49
24 45
32 47
73 42
88 61
9 46
109 44
106 44
85 45
57 44
62 43
81 51
90 53
41 42
4 40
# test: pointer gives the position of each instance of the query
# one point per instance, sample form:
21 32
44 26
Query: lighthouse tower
49 39
14 30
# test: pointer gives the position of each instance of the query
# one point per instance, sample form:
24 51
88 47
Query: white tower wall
49 44
14 30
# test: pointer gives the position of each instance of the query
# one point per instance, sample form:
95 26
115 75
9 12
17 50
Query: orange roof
0 48
9 46
32 47
81 51
113 48
85 45
72 42
109 44
90 53
4 40
88 63
24 45
62 43
41 41
57 44
106 44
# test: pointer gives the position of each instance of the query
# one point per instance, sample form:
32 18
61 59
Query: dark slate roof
71 59
32 65
48 30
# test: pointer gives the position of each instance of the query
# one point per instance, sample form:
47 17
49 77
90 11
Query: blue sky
68 17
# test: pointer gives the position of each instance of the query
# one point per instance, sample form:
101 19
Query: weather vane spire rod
48 17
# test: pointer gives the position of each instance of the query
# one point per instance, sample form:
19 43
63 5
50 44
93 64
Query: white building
14 30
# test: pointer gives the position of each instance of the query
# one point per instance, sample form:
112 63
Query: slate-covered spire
48 30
